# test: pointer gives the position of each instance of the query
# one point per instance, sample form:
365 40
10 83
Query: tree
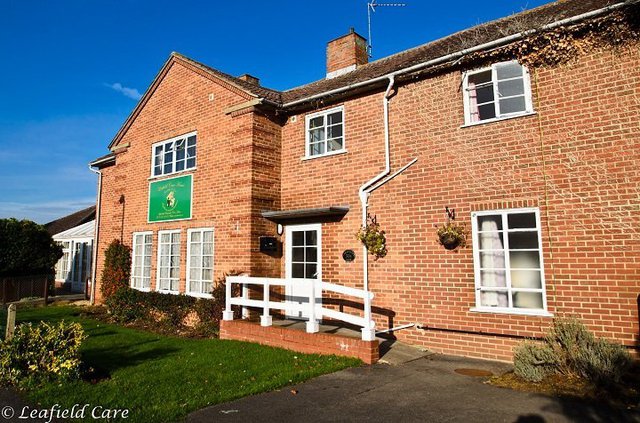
26 248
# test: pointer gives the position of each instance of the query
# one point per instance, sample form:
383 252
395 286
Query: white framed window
509 270
200 262
141 260
324 133
174 155
63 267
169 261
500 91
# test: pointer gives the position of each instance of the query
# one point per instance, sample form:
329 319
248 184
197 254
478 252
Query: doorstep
291 335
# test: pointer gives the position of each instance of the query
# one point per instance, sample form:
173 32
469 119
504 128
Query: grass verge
163 378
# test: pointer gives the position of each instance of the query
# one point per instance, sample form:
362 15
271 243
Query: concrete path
423 390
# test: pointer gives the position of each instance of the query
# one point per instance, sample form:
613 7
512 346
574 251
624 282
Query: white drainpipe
369 331
94 252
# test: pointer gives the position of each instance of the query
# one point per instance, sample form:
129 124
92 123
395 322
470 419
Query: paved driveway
424 390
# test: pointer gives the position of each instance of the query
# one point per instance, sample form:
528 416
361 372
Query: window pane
511 87
157 170
490 241
334 131
298 238
512 105
311 270
493 278
492 259
191 163
508 70
196 261
527 300
195 236
486 111
207 262
334 118
335 144
191 141
524 260
179 166
317 148
484 94
311 238
523 240
207 287
521 220
526 279
297 254
191 151
297 270
494 299
490 223
312 255
316 122
316 135
481 77
180 153
208 248
208 236
167 168
207 274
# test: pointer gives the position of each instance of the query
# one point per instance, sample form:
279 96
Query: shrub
533 362
570 348
168 312
117 268
42 352
26 248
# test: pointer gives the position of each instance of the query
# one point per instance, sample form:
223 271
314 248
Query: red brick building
527 127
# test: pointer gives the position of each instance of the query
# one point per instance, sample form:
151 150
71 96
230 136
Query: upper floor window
325 133
174 155
507 253
497 92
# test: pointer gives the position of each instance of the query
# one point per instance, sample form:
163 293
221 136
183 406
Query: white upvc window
200 262
169 261
500 91
174 155
141 260
324 133
507 253
63 267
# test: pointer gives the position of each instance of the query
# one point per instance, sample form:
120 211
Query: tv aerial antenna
371 8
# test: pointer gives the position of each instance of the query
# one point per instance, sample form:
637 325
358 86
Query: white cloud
126 91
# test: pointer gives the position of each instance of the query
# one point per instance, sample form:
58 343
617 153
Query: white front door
303 265
81 265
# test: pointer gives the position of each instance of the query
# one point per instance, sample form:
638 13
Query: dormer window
500 91
174 155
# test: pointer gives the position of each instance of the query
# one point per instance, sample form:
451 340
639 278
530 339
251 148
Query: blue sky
73 70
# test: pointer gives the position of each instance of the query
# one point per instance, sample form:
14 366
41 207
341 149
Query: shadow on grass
105 361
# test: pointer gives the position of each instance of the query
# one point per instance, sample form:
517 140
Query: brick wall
586 132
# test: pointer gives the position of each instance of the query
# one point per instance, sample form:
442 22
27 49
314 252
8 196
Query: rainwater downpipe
94 252
368 332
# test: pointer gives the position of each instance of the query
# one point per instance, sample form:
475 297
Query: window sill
193 169
141 289
199 295
523 312
482 122
165 291
333 153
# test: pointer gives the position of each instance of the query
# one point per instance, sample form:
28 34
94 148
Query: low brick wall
297 340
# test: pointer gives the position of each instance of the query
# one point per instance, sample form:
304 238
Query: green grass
160 378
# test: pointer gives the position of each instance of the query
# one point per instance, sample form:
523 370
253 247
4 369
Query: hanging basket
450 242
452 236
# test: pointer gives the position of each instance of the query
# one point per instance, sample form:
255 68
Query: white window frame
67 262
213 266
307 146
477 268
184 137
526 79
133 259
159 254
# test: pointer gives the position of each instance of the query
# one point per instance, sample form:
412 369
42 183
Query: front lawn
162 378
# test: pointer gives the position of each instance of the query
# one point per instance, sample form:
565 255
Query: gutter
461 53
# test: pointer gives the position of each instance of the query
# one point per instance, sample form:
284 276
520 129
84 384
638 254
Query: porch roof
281 216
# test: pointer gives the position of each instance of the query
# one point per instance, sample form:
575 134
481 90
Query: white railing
311 309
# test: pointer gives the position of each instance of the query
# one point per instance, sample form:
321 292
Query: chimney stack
250 79
346 53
